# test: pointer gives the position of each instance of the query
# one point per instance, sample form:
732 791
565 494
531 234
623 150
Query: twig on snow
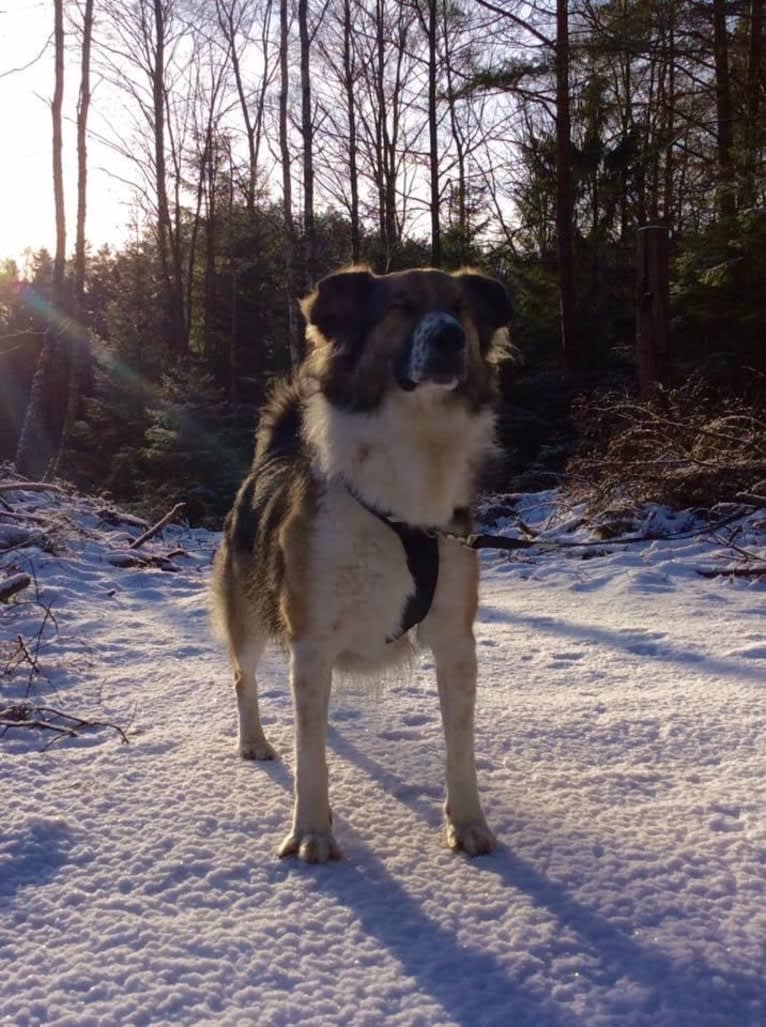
752 499
5 724
156 528
12 584
732 572
44 717
84 722
29 486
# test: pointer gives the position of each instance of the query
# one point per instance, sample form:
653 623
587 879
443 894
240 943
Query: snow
620 740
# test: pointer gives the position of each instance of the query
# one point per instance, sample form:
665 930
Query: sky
26 176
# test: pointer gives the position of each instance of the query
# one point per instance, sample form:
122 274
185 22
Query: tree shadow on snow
655 646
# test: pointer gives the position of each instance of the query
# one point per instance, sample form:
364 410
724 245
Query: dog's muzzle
435 353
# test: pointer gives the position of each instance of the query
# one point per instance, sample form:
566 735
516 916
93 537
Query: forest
266 144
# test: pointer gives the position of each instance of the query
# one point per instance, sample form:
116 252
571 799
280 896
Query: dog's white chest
362 581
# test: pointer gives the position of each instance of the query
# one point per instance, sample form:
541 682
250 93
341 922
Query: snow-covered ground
621 746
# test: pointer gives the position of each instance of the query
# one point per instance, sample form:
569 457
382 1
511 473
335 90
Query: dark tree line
266 144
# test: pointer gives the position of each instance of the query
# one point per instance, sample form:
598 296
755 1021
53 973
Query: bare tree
239 21
564 227
724 116
429 23
385 138
349 83
79 344
41 431
341 49
144 55
754 90
307 138
290 245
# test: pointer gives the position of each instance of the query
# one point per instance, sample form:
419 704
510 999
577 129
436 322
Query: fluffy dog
332 545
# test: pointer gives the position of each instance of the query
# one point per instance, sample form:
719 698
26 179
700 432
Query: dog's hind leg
252 743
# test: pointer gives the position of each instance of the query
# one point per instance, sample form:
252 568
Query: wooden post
652 308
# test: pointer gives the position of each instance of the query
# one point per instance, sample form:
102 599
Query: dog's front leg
466 827
311 837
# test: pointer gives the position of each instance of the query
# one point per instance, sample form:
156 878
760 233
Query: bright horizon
27 217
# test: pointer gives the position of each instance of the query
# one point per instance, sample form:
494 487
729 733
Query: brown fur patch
295 543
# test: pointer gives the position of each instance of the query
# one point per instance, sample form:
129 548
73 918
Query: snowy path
621 732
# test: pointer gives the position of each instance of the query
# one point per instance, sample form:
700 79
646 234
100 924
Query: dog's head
412 330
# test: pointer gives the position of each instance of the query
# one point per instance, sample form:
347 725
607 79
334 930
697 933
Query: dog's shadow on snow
640 984
472 987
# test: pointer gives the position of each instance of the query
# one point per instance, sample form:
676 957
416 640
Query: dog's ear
491 307
337 310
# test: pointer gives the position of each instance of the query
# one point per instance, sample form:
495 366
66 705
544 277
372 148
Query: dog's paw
473 838
256 750
311 846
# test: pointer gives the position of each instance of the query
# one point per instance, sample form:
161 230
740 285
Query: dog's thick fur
392 410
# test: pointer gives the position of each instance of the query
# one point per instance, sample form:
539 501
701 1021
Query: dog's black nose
450 337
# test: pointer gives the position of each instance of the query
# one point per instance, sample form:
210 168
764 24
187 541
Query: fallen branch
13 584
31 658
83 722
12 515
29 486
751 499
156 528
117 517
43 724
732 572
128 558
44 717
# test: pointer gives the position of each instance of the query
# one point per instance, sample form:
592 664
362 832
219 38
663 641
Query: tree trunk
459 141
433 138
59 264
233 368
168 246
382 141
43 425
229 29
307 133
163 210
79 343
653 308
756 81
348 76
287 191
670 121
564 192
726 197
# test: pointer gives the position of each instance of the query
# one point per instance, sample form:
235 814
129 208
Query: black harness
421 548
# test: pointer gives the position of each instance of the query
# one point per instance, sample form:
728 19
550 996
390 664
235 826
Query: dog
332 548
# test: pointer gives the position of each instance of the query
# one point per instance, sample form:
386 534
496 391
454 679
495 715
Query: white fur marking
420 452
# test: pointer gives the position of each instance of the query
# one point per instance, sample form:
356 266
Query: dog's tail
220 593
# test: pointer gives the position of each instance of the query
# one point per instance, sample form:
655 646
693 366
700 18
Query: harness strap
421 548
